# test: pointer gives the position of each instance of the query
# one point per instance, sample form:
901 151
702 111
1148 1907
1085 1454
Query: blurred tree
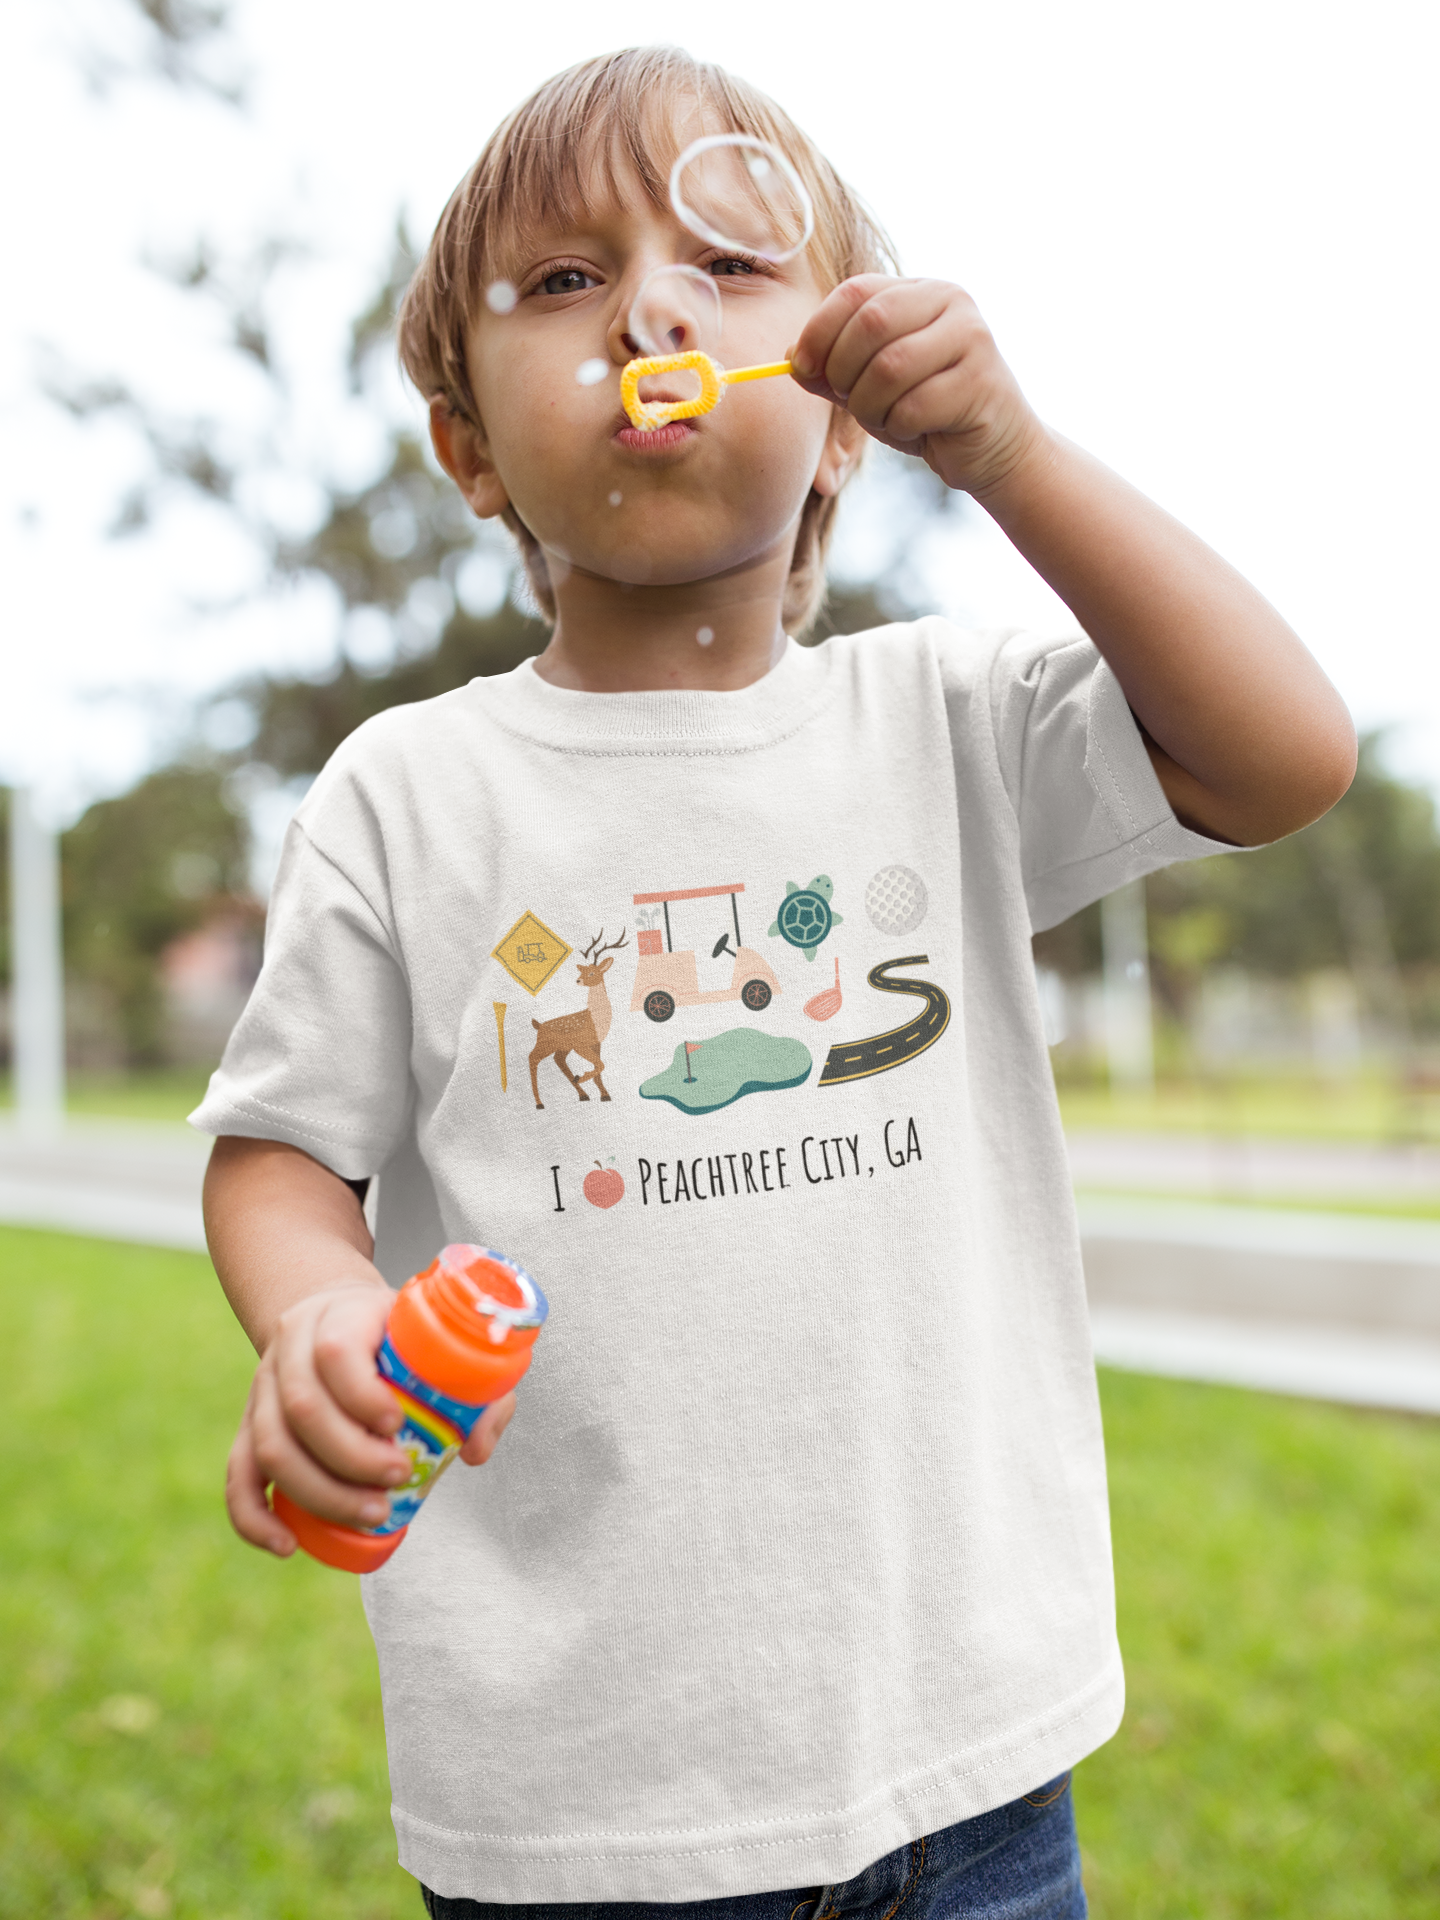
185 42
1359 889
136 873
301 722
425 593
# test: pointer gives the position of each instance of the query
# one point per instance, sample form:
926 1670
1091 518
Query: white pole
37 998
1129 1041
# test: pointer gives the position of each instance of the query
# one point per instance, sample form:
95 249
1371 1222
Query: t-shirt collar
680 721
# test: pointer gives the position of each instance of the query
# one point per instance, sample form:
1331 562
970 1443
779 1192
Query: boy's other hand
318 1420
915 364
486 1432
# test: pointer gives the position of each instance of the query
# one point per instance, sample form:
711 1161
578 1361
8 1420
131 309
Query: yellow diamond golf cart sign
530 952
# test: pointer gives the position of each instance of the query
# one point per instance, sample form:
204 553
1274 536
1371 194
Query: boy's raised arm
1249 739
292 1250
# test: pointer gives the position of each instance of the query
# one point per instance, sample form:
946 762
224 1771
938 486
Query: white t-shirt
797 1547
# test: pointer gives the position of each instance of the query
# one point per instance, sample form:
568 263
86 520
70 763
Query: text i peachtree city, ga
813 1161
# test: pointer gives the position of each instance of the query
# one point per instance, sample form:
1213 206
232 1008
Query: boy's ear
837 456
461 448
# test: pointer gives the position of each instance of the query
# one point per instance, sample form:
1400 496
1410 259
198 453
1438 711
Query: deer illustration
584 1032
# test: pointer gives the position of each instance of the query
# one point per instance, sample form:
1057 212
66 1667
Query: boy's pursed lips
655 439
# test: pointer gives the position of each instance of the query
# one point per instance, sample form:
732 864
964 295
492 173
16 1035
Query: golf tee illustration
499 1006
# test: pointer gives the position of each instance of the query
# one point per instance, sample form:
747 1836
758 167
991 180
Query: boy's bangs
555 182
607 128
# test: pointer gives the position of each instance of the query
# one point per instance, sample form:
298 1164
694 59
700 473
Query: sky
1204 239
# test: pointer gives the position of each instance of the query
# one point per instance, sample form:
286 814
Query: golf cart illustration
665 979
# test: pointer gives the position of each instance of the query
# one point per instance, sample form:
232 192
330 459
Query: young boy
790 1592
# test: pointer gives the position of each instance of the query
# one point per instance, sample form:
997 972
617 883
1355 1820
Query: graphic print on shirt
703 1077
859 1059
896 900
826 1004
806 916
499 1006
530 953
605 1187
583 1032
666 975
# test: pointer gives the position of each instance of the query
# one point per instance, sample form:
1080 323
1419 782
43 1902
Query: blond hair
619 110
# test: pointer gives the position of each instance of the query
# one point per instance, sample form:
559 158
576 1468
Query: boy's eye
731 264
568 280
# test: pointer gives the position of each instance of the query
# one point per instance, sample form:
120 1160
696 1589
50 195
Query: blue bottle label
432 1433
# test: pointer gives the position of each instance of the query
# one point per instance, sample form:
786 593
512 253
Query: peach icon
603 1188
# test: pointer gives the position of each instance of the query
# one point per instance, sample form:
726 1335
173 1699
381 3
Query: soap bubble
736 191
590 372
677 310
616 498
705 635
501 297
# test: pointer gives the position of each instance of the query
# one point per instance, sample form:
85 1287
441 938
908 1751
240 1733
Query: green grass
1385 1207
188 1729
1299 1109
163 1093
1279 1589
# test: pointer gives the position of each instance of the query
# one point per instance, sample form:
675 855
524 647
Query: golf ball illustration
896 900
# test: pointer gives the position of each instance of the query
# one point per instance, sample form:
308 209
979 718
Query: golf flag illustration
691 1046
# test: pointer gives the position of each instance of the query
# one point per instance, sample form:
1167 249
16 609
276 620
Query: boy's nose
677 340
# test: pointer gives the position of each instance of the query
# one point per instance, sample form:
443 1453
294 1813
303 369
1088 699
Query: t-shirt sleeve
1091 810
321 1055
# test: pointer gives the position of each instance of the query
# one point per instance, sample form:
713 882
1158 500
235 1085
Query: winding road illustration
858 1059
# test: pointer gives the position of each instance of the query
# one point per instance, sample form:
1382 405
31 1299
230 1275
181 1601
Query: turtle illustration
805 915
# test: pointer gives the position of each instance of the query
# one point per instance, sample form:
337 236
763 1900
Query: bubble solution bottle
458 1337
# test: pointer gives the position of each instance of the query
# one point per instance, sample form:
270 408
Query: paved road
1332 1306
859 1059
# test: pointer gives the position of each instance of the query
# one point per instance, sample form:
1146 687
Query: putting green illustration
701 1078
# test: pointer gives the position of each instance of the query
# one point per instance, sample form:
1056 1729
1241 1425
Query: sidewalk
1326 1305
1332 1306
116 1179
1221 1167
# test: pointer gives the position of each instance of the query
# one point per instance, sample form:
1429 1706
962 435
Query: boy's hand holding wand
1248 738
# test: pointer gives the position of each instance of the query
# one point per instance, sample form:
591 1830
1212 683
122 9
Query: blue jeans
1019 1862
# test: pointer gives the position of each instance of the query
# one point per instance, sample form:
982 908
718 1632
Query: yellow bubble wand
646 415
